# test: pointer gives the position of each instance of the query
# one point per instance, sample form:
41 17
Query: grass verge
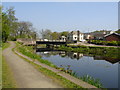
5 45
57 78
28 51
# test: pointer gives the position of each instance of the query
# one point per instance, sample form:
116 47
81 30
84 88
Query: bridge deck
51 42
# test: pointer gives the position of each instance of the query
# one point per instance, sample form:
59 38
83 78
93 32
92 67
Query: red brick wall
112 38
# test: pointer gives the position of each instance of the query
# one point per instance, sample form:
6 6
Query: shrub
109 43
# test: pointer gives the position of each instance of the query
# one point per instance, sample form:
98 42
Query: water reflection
77 56
104 68
108 59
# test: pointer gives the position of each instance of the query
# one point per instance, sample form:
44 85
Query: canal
99 67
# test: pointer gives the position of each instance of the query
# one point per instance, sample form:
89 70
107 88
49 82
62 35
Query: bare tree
46 34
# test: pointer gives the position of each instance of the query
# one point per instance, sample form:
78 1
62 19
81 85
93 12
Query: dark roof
75 32
112 34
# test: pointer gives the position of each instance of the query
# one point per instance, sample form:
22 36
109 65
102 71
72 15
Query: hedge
108 43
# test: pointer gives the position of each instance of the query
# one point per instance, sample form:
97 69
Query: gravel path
25 74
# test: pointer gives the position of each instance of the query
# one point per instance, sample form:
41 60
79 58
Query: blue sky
68 16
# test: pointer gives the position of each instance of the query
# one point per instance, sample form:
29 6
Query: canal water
104 69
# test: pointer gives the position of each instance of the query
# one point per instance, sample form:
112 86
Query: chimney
78 35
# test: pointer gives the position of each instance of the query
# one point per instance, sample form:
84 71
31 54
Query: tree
65 33
55 35
26 30
12 29
46 34
0 25
8 21
5 27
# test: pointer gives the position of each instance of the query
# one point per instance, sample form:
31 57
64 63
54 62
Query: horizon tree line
12 28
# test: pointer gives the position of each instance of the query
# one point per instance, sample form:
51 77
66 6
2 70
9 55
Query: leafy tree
65 33
55 35
12 29
8 21
5 27
0 25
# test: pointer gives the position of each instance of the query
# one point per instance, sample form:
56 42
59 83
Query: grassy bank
5 45
28 51
108 43
57 78
7 76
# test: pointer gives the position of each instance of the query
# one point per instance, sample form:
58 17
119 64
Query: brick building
112 37
99 35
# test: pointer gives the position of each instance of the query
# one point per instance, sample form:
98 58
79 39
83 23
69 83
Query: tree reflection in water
78 56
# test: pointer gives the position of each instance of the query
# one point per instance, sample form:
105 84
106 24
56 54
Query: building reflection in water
78 56
72 55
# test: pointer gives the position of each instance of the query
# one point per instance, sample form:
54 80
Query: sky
68 16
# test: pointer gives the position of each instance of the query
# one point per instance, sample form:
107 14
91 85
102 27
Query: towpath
25 74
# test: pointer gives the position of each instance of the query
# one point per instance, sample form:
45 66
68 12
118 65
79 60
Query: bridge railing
52 40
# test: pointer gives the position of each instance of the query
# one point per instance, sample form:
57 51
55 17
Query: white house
75 36
63 38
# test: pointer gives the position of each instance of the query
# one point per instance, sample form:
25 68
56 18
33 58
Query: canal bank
112 52
71 81
100 68
101 63
58 72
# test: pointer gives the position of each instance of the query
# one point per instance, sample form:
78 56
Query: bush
12 38
109 43
112 43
